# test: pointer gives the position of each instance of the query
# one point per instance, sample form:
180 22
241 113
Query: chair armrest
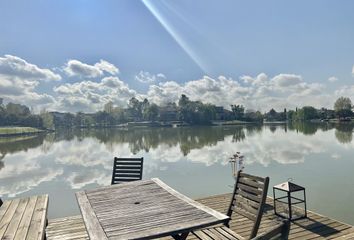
280 231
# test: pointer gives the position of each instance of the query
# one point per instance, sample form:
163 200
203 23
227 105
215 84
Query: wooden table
143 210
24 218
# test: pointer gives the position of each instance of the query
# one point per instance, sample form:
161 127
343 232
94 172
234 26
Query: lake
193 160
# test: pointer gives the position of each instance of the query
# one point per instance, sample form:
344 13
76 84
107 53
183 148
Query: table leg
182 236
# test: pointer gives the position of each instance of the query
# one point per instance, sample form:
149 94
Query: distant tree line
185 110
13 114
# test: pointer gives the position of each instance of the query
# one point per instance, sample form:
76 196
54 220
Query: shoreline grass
14 131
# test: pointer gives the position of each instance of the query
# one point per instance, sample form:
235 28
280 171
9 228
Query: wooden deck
314 227
24 218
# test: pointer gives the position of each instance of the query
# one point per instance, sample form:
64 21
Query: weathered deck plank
315 227
24 218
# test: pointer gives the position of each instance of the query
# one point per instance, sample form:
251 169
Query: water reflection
15 144
82 158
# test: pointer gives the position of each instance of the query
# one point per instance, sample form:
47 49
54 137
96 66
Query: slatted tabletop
142 209
24 218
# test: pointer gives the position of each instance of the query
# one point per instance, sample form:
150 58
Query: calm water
192 160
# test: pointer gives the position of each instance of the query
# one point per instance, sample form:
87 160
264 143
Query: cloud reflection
79 159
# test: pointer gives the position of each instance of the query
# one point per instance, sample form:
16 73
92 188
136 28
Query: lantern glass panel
298 210
281 204
282 207
298 204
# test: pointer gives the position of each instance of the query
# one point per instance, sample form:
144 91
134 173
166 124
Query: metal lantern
289 201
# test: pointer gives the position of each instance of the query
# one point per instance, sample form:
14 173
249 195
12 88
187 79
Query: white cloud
91 96
160 75
259 80
80 69
146 77
259 93
287 80
15 67
332 79
344 91
108 67
78 180
164 92
19 80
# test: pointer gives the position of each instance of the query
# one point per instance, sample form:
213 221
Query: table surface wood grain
142 209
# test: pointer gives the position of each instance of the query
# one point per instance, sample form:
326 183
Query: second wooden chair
127 170
248 200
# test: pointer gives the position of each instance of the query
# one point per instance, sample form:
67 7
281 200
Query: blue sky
257 53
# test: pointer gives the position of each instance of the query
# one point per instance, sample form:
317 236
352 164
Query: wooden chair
127 170
248 200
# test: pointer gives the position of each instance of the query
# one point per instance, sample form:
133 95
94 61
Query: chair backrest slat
127 170
248 198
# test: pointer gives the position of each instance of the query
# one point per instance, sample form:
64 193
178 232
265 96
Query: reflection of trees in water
2 164
197 138
144 139
344 132
238 134
272 128
253 129
309 128
343 137
48 142
345 127
16 144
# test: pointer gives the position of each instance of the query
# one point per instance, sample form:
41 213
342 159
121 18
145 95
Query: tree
186 109
145 109
343 107
238 111
195 112
204 113
68 119
17 109
183 101
304 114
309 113
32 121
253 116
135 108
151 112
101 118
343 103
47 119
291 115
2 112
119 114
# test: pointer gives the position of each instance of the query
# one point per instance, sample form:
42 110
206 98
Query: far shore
11 131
